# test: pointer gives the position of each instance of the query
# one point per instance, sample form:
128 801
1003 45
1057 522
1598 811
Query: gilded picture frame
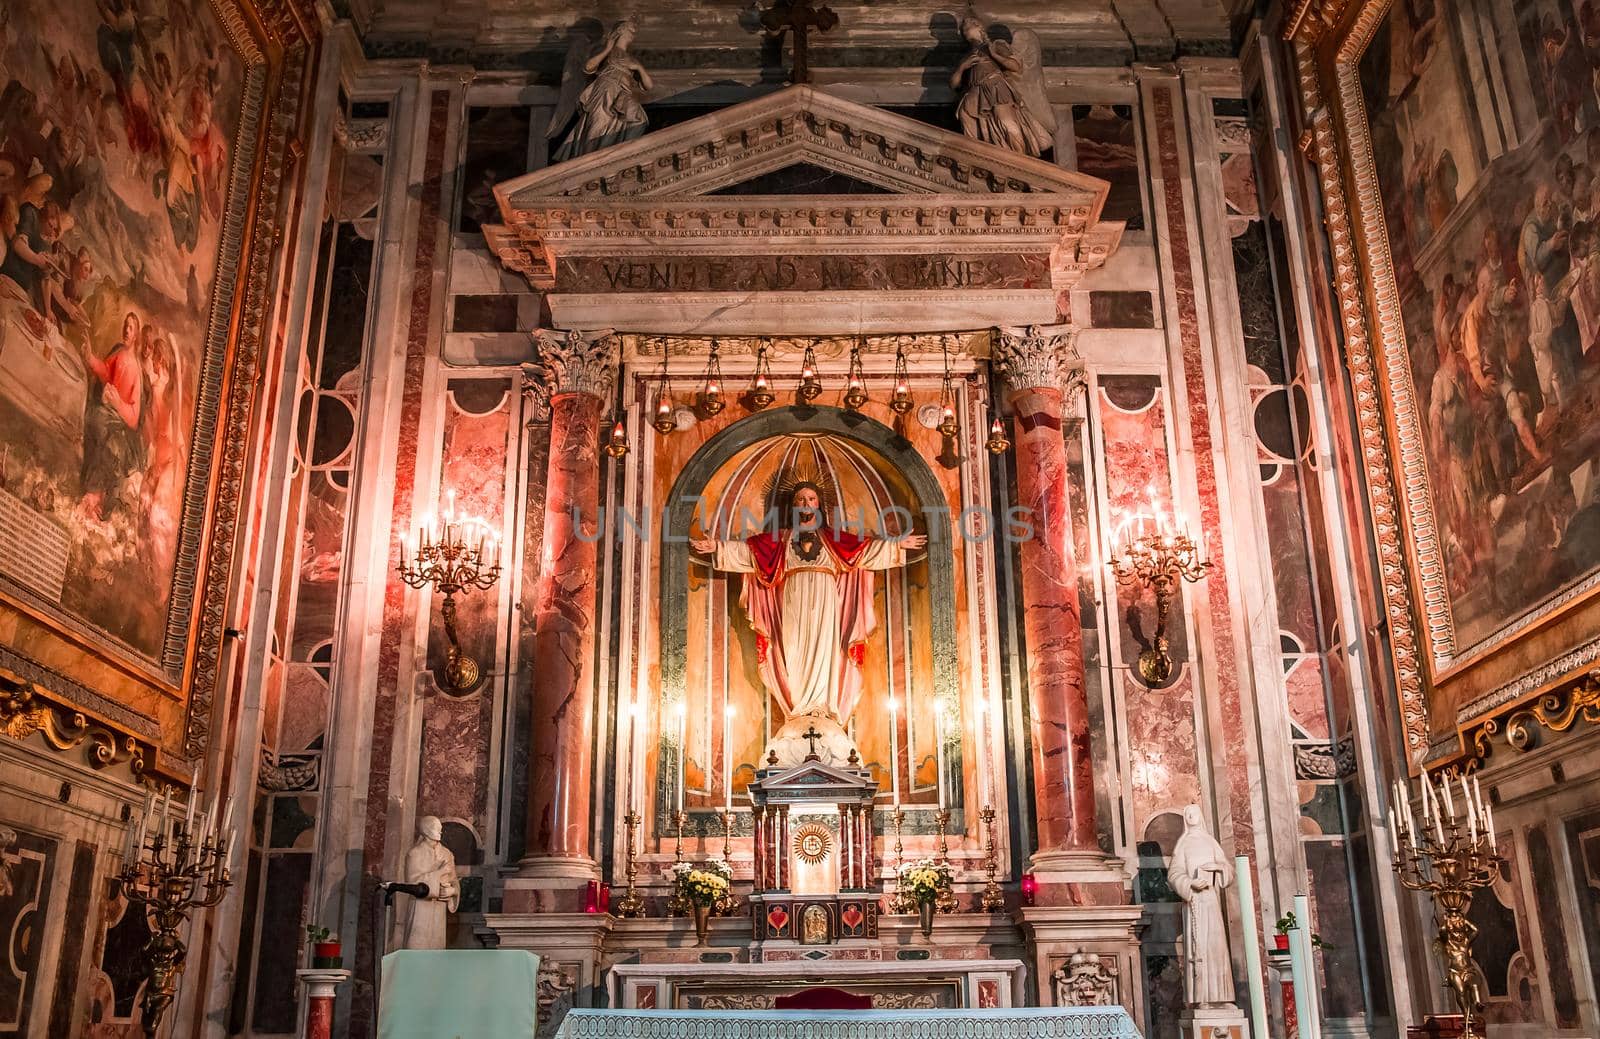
1448 681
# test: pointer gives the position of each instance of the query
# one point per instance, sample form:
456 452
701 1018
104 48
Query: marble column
576 374
1041 369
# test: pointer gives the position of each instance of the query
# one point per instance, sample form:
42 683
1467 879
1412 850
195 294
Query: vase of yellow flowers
923 881
702 885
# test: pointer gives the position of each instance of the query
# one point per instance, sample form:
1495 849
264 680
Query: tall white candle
633 728
1449 800
938 751
727 758
683 752
1472 811
894 749
1426 798
1252 947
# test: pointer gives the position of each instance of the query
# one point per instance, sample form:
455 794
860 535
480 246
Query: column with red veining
1039 370
577 374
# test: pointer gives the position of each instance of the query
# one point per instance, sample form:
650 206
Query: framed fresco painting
136 166
1458 143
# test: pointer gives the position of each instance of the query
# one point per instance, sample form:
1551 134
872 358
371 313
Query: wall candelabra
444 558
1157 556
170 873
1450 856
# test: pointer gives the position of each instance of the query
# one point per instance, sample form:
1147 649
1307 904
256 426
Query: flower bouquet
922 882
703 885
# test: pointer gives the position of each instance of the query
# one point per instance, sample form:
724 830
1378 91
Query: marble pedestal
570 947
1226 1022
1111 932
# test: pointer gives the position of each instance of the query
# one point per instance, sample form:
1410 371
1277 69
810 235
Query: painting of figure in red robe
117 120
1493 217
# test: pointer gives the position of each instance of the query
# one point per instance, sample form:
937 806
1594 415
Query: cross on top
798 17
811 736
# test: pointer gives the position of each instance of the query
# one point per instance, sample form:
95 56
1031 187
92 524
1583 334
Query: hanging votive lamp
900 402
617 442
760 394
810 385
948 427
855 391
711 395
998 442
664 422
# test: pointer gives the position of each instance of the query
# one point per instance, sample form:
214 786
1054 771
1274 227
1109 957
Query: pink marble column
575 374
322 988
1038 367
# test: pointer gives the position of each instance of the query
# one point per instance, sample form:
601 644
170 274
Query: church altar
987 984
1029 1023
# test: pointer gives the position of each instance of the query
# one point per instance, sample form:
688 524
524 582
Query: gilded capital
574 362
1039 357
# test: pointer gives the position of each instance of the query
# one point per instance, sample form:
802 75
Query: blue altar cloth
459 994
1013 1023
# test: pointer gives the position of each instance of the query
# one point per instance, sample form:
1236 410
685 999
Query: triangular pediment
811 780
799 125
802 210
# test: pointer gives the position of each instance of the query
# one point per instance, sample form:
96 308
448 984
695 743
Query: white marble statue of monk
420 923
809 599
1199 873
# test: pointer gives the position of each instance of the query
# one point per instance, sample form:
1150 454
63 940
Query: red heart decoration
777 917
851 917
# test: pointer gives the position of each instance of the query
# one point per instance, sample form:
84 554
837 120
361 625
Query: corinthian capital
574 362
1040 356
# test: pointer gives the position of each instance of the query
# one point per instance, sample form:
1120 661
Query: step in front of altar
1021 1023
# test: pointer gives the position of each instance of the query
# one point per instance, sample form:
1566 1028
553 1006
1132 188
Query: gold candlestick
1450 862
169 874
899 903
631 904
947 896
727 837
677 905
993 900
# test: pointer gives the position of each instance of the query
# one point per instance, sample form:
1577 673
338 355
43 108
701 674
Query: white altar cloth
1017 1023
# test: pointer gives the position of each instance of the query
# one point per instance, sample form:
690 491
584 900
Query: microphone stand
385 893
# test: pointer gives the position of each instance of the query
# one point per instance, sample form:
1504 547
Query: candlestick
993 900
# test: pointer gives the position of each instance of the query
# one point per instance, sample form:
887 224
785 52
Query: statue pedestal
1224 1022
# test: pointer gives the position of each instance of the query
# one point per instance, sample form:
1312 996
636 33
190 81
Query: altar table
458 994
891 984
1030 1023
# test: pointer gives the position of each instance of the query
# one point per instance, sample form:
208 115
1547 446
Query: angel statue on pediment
1000 86
604 91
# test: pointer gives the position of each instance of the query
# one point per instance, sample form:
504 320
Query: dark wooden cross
798 17
811 736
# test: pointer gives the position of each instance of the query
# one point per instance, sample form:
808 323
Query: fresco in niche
1108 148
116 128
1498 270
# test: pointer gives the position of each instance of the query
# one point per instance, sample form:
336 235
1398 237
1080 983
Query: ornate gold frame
1441 685
67 668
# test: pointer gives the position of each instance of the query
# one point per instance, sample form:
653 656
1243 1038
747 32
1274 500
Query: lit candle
894 748
1426 798
727 758
938 755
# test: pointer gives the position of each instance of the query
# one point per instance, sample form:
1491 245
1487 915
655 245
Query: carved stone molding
1087 979
574 362
24 713
823 348
1035 357
361 134
1312 18
557 990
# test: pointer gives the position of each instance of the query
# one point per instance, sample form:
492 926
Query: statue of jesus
810 602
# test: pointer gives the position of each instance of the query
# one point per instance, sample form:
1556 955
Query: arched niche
905 475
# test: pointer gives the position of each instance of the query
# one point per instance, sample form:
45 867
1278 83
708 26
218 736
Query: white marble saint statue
420 923
1001 91
608 106
1199 873
808 594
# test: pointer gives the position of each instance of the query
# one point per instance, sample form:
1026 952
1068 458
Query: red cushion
823 998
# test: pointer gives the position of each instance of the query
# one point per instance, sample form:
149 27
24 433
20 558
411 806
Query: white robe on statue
812 623
1199 873
421 922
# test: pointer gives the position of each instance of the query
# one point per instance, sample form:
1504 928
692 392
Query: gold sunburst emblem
811 843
